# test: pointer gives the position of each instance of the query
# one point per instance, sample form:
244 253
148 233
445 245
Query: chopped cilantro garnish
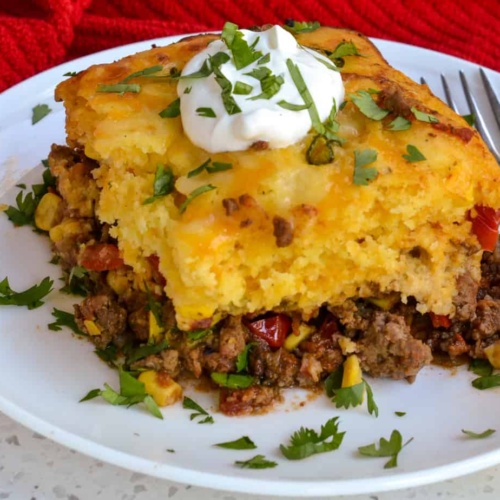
227 99
64 318
363 100
187 90
132 392
195 335
242 53
71 73
194 194
109 354
470 119
486 382
173 110
264 59
293 107
399 124
400 413
306 442
143 72
481 367
299 82
189 404
233 381
479 435
210 167
345 397
387 448
39 111
344 49
206 112
119 88
21 186
242 359
163 184
77 282
134 354
203 72
243 443
364 175
324 62
154 306
414 154
241 88
270 86
31 297
257 462
301 26
424 117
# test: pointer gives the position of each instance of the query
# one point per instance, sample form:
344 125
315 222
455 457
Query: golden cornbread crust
346 240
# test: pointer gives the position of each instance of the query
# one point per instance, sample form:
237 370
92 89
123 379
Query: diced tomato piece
272 329
440 320
101 257
485 226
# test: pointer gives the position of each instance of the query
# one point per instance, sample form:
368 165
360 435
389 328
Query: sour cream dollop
260 119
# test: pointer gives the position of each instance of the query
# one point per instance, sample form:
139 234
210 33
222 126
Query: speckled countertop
35 468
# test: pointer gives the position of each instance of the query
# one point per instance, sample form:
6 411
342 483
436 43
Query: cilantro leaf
228 101
293 107
119 88
306 442
364 175
243 443
344 49
173 110
206 112
264 59
257 462
241 88
400 413
77 282
24 214
134 354
242 359
399 124
242 53
31 298
195 335
164 183
301 26
109 354
387 448
209 167
470 119
189 404
424 117
64 318
132 392
203 72
39 112
481 367
486 382
71 73
363 100
144 72
479 435
346 397
299 82
194 194
414 155
231 380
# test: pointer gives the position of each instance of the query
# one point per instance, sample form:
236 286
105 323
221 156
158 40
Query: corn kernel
48 213
352 372
493 354
155 330
66 227
292 341
92 327
161 387
118 281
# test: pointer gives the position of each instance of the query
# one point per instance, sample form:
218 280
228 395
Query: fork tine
447 93
480 125
495 104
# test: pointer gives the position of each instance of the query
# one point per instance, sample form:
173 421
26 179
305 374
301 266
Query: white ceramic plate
45 373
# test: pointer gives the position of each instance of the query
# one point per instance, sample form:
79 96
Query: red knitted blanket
38 34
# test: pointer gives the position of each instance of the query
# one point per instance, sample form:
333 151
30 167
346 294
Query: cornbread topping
267 105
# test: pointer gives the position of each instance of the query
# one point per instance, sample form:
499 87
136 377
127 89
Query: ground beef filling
391 339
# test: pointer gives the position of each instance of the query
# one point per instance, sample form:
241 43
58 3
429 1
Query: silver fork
479 120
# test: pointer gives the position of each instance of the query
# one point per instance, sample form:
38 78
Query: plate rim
278 487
